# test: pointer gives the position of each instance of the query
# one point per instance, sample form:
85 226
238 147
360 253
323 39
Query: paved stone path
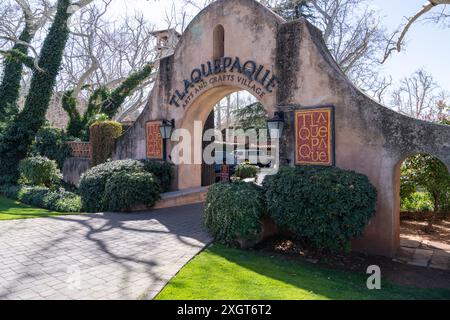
423 253
98 256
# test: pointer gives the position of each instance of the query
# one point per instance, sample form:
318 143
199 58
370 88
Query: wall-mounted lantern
276 125
166 128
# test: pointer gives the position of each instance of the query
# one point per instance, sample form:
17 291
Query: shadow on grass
235 274
12 210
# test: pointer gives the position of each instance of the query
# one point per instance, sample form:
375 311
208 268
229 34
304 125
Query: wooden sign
314 136
225 172
155 149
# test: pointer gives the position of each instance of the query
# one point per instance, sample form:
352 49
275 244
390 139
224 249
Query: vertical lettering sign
314 136
225 172
154 141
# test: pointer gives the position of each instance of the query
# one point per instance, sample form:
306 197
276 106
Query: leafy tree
294 9
19 134
102 101
428 173
445 112
251 116
51 142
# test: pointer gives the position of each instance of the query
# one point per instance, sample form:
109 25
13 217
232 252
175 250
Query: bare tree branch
396 45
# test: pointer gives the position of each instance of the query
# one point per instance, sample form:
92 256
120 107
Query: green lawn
223 274
11 210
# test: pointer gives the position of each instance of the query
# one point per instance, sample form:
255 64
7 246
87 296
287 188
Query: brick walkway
99 256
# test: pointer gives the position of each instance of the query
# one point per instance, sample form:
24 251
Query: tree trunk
19 134
12 75
432 218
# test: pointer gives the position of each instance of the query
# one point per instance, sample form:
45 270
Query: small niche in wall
218 42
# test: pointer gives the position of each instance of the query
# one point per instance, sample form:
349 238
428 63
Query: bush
51 142
417 202
58 200
162 171
245 171
39 171
233 211
326 206
93 182
103 135
126 190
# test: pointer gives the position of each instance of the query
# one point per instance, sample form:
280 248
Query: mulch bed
415 228
403 274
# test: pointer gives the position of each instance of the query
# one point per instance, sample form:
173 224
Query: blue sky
428 45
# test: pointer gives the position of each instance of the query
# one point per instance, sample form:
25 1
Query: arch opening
216 110
422 209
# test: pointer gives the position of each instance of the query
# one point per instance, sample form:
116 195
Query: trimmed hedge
55 200
245 171
40 171
162 171
93 182
103 135
233 212
326 206
124 191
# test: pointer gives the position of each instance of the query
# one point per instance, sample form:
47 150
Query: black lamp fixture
166 128
276 125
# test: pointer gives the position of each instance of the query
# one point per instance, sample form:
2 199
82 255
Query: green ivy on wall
12 75
102 101
103 135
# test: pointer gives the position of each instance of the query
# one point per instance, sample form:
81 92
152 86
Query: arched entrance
423 211
241 45
190 175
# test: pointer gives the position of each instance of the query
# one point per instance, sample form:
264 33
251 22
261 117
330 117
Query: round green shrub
162 171
40 171
245 171
126 190
233 212
51 142
326 206
93 182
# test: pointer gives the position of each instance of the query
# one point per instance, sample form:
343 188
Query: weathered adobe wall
250 33
370 138
73 169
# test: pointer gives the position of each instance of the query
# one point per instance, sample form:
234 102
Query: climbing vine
19 134
12 75
101 101
117 96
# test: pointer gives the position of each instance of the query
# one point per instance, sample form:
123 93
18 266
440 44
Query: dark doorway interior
208 173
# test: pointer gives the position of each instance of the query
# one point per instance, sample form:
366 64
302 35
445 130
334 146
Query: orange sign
225 172
314 137
154 141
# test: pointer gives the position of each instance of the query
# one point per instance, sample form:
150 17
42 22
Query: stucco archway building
292 70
